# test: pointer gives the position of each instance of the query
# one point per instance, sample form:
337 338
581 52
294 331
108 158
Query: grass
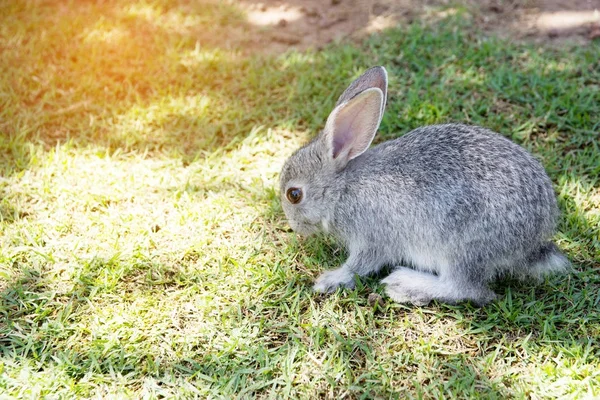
143 250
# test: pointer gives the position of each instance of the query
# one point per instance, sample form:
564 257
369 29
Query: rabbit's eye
294 195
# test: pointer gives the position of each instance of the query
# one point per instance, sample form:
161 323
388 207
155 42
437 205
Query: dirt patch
542 21
277 25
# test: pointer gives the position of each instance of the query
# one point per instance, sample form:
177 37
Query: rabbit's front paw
329 281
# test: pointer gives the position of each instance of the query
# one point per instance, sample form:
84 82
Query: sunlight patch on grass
172 21
187 18
109 35
34 383
471 76
149 12
568 373
199 56
581 201
99 206
128 224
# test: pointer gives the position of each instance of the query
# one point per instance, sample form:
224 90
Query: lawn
144 252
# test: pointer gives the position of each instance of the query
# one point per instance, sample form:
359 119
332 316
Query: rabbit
448 207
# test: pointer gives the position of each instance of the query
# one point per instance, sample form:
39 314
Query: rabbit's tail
548 260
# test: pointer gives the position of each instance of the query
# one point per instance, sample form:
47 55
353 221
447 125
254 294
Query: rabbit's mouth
304 228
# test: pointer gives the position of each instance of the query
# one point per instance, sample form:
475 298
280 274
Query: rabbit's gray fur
459 205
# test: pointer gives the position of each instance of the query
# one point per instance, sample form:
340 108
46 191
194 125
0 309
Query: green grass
143 250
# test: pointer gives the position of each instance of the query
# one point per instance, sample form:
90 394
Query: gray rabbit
450 207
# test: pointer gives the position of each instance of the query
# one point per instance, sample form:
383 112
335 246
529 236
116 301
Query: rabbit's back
468 190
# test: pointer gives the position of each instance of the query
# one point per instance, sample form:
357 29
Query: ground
143 249
314 23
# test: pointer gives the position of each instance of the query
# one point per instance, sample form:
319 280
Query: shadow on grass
9 213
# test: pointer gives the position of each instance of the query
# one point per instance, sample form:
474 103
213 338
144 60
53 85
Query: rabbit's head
312 180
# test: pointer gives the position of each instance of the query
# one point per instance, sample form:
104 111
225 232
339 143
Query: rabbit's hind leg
406 285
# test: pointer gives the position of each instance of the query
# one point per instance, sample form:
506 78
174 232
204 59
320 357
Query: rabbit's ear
352 125
375 77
